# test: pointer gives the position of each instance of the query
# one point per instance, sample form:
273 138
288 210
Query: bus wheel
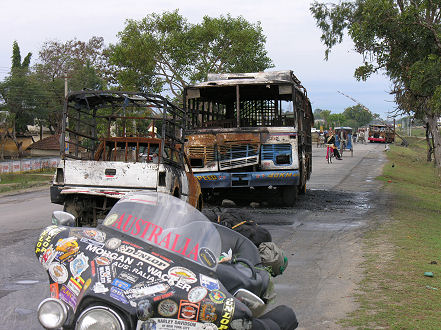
289 195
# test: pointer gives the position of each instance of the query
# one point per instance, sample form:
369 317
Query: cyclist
331 141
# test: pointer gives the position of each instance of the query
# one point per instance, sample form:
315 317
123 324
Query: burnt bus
250 131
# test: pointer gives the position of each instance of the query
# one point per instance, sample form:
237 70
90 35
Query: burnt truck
113 143
250 132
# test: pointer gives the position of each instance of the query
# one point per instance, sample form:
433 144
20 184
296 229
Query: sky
293 40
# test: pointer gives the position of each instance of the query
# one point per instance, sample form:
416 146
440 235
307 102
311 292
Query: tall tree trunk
433 127
429 144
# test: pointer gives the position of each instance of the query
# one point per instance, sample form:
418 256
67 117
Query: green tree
85 65
165 52
19 96
397 37
359 116
336 119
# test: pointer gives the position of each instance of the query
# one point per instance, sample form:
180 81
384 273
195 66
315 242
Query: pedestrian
331 142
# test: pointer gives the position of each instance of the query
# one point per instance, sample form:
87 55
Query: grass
395 294
16 181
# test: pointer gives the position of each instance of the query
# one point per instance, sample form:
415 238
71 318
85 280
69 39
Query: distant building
49 146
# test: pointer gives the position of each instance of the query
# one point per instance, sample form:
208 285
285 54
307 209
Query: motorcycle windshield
167 223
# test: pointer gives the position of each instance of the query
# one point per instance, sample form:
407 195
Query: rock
228 203
254 205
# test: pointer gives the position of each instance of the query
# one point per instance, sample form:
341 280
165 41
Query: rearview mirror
61 218
253 302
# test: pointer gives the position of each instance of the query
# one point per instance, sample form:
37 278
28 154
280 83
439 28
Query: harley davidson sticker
182 274
188 311
166 324
102 261
167 308
58 272
197 294
79 265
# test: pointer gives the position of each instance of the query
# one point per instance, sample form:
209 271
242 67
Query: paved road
321 236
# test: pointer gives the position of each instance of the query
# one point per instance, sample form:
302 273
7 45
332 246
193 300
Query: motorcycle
155 262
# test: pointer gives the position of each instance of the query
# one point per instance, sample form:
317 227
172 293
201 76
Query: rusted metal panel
110 174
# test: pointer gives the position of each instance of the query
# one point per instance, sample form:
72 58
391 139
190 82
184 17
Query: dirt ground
322 235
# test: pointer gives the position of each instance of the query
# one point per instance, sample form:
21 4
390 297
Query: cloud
293 40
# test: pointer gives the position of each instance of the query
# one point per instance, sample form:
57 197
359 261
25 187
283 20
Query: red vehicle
381 133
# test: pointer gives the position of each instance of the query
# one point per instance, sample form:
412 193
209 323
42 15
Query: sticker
143 256
197 294
135 293
207 311
121 284
104 275
102 261
94 234
75 285
90 241
227 313
207 257
128 277
79 265
163 296
69 246
182 274
188 311
46 237
167 324
68 297
217 296
58 272
118 294
209 282
54 290
113 243
110 219
86 285
167 308
48 256
99 288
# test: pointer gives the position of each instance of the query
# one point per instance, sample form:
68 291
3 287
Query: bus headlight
99 317
52 313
